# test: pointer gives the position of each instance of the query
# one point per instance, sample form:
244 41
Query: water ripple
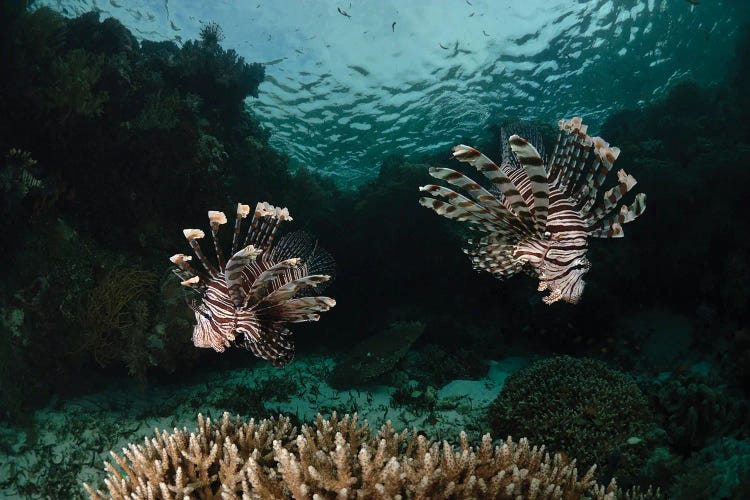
341 93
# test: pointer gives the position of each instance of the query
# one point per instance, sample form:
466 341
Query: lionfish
537 218
249 299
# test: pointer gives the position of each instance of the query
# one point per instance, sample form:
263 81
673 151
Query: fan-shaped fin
233 272
265 279
533 164
512 197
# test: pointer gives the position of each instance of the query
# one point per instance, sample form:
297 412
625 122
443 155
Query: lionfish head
537 215
248 299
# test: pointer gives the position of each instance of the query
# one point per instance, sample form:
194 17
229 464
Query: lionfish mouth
248 299
539 214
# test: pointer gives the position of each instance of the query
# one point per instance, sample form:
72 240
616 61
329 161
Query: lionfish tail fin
532 163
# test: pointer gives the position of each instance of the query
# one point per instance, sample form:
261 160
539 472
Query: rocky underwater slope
110 146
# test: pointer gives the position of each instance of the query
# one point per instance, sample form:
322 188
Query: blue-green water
342 93
122 123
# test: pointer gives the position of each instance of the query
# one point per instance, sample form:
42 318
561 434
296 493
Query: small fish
174 28
485 33
343 12
298 51
443 46
393 26
472 14
467 1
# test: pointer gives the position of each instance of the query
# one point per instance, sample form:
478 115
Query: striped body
538 217
250 298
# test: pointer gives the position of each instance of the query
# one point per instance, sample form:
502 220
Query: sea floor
68 441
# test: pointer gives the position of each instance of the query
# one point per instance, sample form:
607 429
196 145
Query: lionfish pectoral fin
499 179
266 279
302 309
533 164
288 290
270 341
233 272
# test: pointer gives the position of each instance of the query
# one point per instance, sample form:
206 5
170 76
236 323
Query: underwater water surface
343 91
219 281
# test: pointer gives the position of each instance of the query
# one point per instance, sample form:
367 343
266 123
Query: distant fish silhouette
343 12
393 26
467 1
485 33
443 46
538 218
693 2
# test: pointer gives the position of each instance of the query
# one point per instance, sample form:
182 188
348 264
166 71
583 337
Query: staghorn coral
577 406
337 458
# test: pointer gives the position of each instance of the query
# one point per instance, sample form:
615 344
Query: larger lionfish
538 217
249 299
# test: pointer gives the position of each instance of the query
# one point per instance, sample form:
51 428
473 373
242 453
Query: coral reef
693 411
580 407
337 457
114 315
721 470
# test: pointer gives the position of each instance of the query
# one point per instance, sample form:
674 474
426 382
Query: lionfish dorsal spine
188 276
193 235
241 213
233 272
216 219
265 223
255 222
532 163
580 155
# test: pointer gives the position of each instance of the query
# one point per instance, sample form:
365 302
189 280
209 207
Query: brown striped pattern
532 163
248 301
541 216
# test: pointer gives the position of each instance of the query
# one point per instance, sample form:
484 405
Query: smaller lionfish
249 299
538 218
